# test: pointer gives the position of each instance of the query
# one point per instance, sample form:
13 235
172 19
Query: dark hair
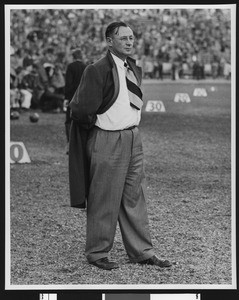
112 26
49 51
76 53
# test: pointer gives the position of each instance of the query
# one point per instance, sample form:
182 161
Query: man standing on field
107 105
73 76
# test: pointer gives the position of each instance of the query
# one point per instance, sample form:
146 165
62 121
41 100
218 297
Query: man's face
121 42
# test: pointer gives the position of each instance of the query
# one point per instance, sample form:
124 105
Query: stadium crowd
179 43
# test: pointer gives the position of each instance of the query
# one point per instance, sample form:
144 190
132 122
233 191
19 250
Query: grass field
188 167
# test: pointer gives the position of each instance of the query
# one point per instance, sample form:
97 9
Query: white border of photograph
8 285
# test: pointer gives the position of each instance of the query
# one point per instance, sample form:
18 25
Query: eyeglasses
125 38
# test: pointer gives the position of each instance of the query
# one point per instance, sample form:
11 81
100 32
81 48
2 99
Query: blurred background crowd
170 43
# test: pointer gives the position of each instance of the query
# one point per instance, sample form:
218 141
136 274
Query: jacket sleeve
87 98
78 166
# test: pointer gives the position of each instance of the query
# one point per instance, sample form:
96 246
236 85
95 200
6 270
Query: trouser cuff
142 257
91 258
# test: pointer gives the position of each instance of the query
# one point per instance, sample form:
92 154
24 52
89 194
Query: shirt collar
119 62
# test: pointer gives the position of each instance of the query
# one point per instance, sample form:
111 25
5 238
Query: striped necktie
135 94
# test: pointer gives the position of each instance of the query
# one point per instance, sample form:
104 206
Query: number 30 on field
155 106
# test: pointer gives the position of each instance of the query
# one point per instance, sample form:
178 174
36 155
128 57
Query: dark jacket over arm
84 105
97 91
87 98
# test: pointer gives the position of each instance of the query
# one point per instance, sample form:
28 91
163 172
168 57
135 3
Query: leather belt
130 128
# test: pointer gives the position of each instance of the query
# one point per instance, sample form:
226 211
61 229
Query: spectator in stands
190 29
51 100
148 67
27 59
26 86
175 58
58 79
158 69
14 93
215 63
14 96
45 94
198 67
226 62
41 83
49 56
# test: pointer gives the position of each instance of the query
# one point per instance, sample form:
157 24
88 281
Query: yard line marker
155 106
182 97
200 92
18 153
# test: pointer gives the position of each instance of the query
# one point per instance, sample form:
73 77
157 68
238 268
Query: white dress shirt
120 115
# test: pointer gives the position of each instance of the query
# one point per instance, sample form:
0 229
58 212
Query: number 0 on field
18 153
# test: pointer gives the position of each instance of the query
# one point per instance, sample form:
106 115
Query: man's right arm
87 98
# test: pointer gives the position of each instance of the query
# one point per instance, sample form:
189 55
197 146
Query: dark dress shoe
156 262
105 264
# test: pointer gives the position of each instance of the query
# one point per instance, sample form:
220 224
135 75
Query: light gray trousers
117 194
